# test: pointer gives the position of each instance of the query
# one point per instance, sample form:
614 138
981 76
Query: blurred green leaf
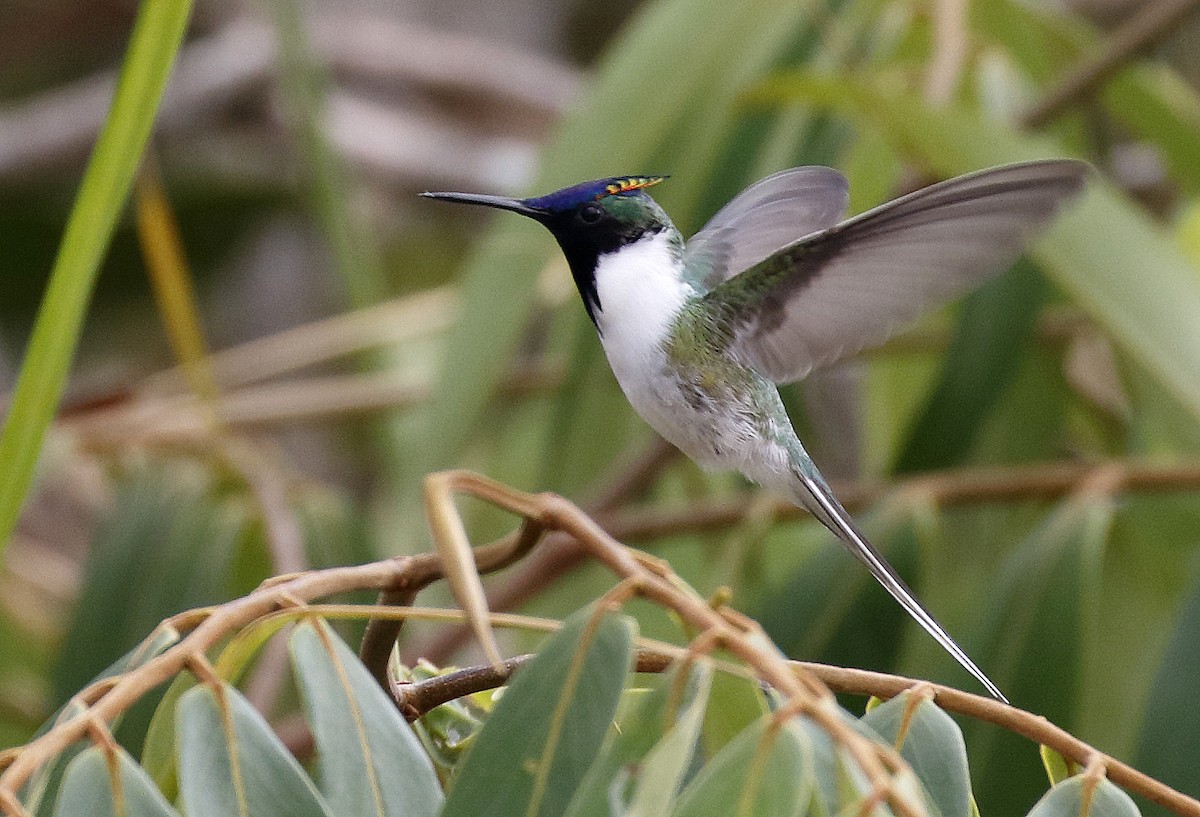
303 86
153 45
39 794
642 765
734 704
547 728
1038 631
97 789
764 771
231 762
590 421
1167 745
1077 797
1152 101
933 746
831 610
370 761
994 324
1164 110
171 531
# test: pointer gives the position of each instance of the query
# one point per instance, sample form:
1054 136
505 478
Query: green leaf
764 771
831 610
89 788
370 761
1038 635
157 33
643 761
1167 745
40 792
1079 797
167 527
303 91
548 726
231 763
933 746
994 324
158 750
1161 108
734 704
826 766
1058 768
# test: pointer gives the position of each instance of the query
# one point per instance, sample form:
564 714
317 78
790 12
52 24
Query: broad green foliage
90 787
1080 797
557 742
547 728
764 771
933 745
39 792
1166 745
231 763
370 761
643 761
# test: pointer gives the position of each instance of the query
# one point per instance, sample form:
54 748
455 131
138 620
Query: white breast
640 292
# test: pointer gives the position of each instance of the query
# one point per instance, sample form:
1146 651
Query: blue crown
591 191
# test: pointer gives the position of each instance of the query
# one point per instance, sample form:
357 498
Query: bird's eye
590 213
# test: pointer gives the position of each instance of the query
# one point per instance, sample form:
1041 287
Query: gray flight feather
767 215
850 286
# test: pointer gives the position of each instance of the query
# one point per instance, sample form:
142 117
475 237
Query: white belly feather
641 292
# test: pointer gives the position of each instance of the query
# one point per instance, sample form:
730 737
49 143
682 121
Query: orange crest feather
630 183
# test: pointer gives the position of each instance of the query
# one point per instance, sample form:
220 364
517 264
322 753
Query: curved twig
806 686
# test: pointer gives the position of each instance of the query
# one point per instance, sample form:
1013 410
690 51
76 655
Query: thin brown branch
957 486
1150 26
560 554
949 50
654 581
116 695
381 633
1034 727
806 686
416 698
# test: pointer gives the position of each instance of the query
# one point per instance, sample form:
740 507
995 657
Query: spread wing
767 215
838 291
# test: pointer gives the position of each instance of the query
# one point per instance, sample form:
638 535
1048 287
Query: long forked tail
816 496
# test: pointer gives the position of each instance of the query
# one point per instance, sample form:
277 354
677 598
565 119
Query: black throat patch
583 249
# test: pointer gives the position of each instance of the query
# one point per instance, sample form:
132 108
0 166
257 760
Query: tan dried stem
1028 725
807 687
652 579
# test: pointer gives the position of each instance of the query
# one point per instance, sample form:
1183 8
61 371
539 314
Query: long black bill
499 202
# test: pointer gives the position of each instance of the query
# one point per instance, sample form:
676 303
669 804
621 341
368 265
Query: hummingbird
700 334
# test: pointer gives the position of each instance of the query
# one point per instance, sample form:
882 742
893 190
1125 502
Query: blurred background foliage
1029 458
